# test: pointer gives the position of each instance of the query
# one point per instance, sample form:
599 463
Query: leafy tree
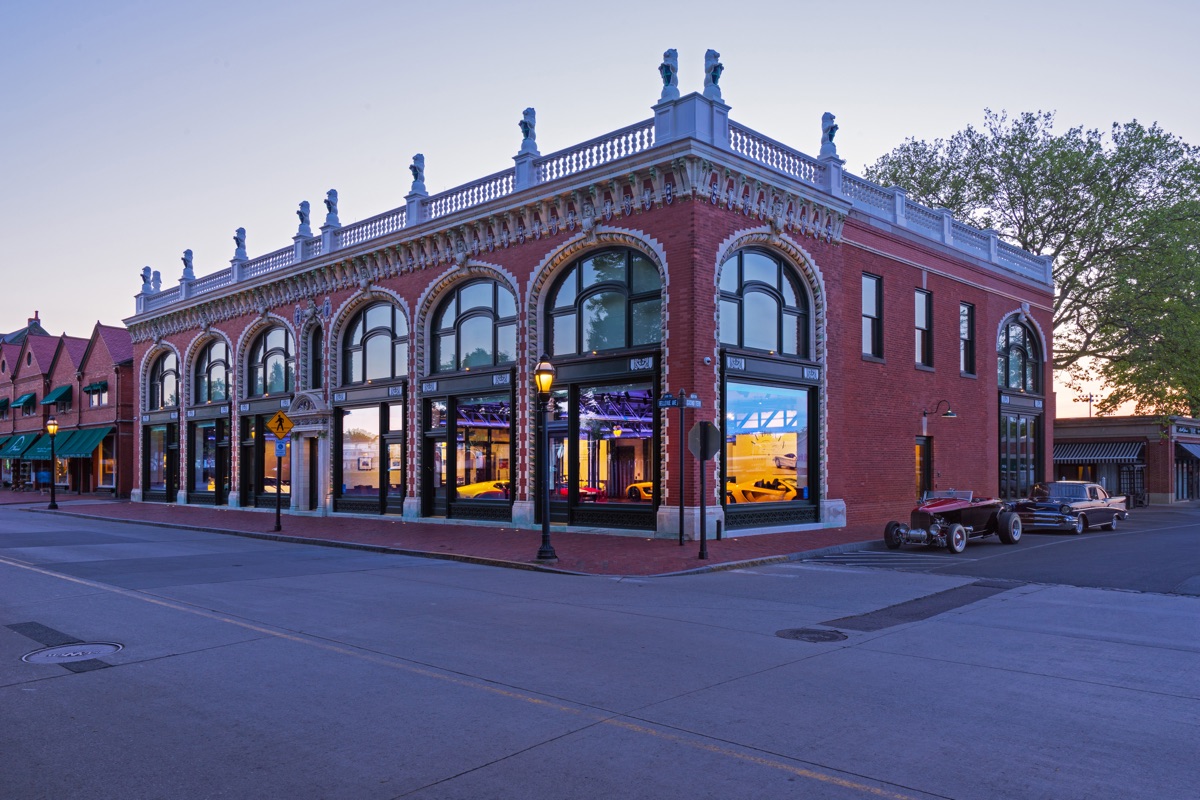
1118 213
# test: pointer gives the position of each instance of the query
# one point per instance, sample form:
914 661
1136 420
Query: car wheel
1080 524
634 494
956 538
1009 527
1112 525
891 536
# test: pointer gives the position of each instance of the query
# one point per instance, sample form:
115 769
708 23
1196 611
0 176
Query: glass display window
767 444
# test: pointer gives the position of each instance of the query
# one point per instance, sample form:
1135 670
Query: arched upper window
1018 358
376 345
762 307
605 301
475 326
272 363
164 382
211 380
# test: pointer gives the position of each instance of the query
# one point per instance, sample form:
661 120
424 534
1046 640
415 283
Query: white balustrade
863 192
472 194
968 238
922 219
765 150
380 225
210 282
269 263
601 150
163 298
1023 262
312 247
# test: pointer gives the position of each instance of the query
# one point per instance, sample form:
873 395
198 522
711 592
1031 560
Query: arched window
212 373
606 301
164 382
272 363
762 307
1018 359
376 345
476 326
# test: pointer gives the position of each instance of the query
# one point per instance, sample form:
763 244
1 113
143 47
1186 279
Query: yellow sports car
486 490
642 490
762 490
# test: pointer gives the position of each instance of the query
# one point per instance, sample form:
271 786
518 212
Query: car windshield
963 494
1060 491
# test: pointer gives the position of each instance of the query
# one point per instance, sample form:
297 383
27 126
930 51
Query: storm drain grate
815 635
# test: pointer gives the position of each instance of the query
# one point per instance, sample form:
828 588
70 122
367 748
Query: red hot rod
949 518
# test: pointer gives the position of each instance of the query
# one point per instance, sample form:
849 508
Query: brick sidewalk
584 553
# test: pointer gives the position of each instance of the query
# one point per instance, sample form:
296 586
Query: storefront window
606 301
483 457
61 471
766 444
616 429
360 452
108 462
277 472
156 458
204 457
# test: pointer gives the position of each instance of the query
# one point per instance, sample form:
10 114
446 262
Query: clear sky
135 130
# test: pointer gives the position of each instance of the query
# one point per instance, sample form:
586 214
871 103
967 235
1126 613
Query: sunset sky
135 130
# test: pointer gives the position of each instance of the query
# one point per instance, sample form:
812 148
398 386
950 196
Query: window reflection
616 434
360 452
483 458
766 444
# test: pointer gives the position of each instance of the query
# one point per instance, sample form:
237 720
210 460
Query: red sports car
948 519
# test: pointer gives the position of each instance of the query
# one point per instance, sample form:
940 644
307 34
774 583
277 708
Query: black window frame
460 318
924 328
260 353
873 349
205 364
159 372
1028 353
801 310
966 339
573 272
354 345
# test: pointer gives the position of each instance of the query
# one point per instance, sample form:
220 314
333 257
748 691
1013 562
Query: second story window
610 300
376 345
212 373
1018 359
966 338
924 328
872 315
762 308
97 394
475 326
164 382
272 363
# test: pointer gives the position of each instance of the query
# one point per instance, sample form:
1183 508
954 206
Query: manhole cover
811 635
83 651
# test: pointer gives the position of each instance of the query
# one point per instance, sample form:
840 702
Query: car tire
634 494
1081 525
1008 526
890 536
956 538
1112 525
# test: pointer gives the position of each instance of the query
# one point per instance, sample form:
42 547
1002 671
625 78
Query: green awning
4 440
59 393
23 399
98 386
40 451
3 403
16 446
82 442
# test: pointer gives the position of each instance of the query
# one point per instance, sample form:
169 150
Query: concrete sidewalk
578 553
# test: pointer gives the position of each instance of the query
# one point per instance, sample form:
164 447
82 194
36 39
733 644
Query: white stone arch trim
806 267
188 364
249 334
148 360
543 276
346 311
420 333
304 349
1023 316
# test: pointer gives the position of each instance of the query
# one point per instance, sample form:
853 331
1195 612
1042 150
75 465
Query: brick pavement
584 553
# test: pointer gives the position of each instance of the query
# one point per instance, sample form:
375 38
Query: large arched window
606 301
1018 359
211 380
164 382
762 307
376 346
272 363
475 326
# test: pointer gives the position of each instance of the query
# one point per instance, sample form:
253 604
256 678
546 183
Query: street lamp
52 429
543 378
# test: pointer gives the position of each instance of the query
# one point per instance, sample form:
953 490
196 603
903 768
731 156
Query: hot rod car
949 518
1071 506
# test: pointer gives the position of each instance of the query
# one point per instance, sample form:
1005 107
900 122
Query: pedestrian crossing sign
279 425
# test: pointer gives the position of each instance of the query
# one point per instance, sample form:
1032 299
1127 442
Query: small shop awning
82 442
40 451
1098 452
98 386
1192 449
16 445
23 399
3 403
60 393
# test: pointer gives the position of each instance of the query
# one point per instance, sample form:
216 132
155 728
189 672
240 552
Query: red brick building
825 325
1149 459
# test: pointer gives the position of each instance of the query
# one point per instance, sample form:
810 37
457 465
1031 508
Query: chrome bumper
1047 519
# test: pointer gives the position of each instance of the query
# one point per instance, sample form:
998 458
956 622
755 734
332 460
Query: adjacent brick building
850 346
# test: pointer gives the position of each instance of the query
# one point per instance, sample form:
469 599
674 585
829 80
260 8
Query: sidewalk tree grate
811 635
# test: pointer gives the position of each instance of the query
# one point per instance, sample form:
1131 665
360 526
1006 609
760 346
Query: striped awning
1098 452
1193 449
83 442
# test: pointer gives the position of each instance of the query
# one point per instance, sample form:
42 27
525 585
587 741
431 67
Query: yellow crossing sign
280 425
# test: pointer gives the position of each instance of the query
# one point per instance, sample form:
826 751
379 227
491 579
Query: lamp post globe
543 378
52 429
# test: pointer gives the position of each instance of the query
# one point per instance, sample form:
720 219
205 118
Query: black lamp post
52 429
543 377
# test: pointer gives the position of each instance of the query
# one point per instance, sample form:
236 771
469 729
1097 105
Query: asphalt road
261 669
1155 550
